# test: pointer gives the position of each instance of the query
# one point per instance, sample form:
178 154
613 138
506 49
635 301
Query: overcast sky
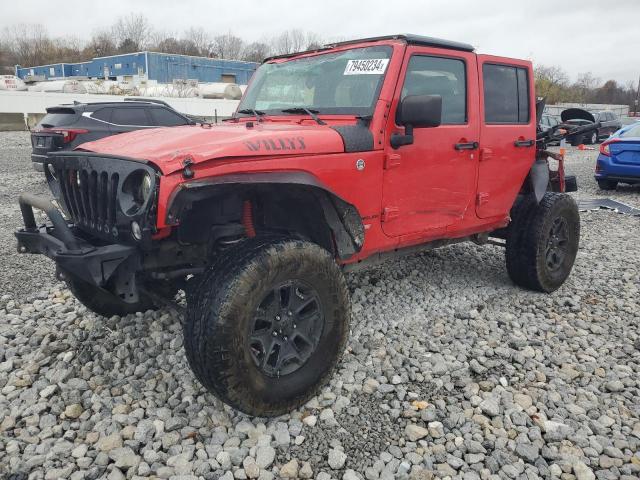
579 35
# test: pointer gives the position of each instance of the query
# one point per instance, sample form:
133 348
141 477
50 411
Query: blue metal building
162 67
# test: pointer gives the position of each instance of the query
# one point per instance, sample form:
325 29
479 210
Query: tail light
68 134
604 147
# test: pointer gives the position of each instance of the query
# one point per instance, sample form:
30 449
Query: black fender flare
343 218
539 178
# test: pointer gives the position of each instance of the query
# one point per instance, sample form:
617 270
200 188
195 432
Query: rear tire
593 138
102 302
542 241
607 184
248 339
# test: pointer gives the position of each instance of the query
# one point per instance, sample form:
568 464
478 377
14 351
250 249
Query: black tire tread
215 295
524 235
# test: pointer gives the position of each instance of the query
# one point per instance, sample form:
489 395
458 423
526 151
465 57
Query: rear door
163 117
507 132
430 184
127 119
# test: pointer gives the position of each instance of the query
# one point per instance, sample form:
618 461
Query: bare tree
551 83
227 46
28 44
313 41
291 41
585 86
256 52
200 39
132 33
167 45
553 74
101 45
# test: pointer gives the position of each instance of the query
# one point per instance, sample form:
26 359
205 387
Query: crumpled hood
168 147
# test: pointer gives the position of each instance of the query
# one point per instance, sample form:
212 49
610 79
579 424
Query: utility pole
637 106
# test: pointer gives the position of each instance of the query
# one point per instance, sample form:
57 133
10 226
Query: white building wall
37 102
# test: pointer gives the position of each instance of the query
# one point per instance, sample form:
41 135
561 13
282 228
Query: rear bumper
37 161
618 178
73 253
610 170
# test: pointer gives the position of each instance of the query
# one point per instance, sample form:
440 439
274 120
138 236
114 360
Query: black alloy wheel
557 244
286 328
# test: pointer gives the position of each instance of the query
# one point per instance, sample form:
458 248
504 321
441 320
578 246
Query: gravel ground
451 371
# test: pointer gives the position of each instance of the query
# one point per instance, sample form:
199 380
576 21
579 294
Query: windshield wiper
250 111
308 111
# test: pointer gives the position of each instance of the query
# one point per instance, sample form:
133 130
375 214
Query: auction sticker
369 66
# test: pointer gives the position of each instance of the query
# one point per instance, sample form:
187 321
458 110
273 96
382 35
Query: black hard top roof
410 38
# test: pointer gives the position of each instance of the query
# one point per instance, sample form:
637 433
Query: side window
130 116
166 118
439 76
506 94
103 114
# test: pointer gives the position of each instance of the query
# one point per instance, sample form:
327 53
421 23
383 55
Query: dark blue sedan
619 159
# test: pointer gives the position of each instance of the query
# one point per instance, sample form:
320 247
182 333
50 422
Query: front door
430 184
508 133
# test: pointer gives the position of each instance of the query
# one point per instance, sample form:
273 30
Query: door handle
466 146
524 143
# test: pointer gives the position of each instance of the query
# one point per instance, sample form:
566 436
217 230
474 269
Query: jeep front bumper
75 254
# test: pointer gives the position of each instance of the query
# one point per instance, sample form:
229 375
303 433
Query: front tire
268 324
593 138
542 241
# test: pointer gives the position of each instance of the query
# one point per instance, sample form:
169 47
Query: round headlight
145 187
137 190
136 231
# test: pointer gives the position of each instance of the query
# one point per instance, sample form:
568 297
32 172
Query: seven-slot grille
90 197
92 190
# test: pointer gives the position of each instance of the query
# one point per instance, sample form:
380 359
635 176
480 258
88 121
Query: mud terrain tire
542 241
238 300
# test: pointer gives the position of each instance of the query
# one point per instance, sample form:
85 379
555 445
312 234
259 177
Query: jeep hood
167 148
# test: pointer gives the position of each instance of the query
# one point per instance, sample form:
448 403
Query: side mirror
417 111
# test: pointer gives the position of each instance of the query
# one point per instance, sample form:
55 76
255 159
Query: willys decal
286 143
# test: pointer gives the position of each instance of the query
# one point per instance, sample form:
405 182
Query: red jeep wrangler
335 157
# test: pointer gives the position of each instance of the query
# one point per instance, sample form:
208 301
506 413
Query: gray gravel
450 372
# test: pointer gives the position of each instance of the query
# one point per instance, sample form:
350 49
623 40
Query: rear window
167 118
632 132
506 94
58 118
130 116
103 114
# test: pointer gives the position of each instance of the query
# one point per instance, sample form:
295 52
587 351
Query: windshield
346 82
